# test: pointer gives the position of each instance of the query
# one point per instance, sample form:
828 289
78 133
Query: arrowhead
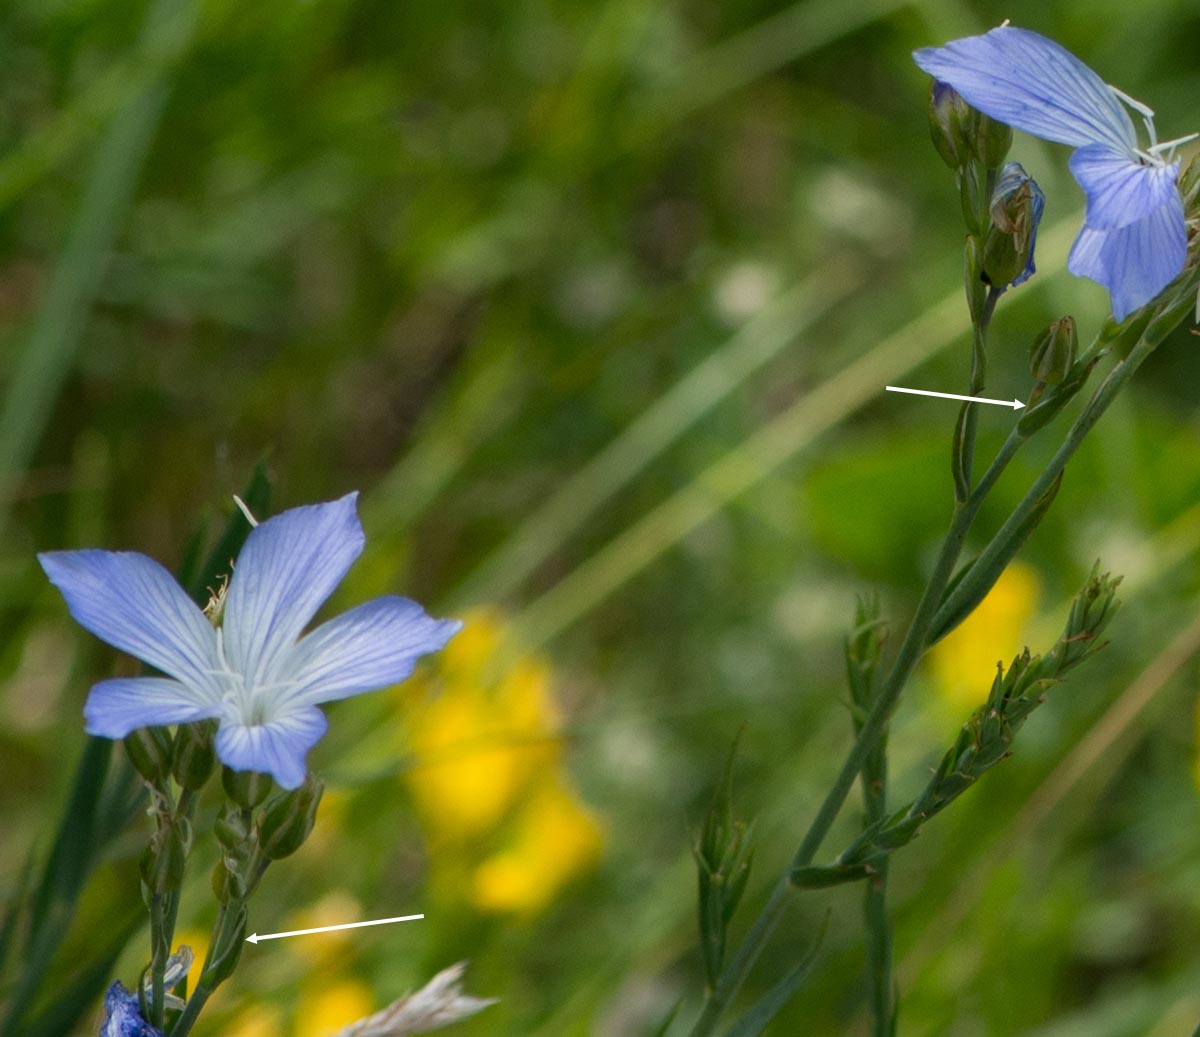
1018 405
252 938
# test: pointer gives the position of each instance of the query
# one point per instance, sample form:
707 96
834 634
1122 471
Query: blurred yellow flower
258 1020
197 940
324 1007
482 727
323 949
488 774
554 840
964 662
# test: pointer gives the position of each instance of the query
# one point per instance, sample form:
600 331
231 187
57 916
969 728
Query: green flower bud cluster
250 841
724 854
961 134
985 739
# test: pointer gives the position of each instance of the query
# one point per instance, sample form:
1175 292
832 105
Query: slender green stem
191 1011
1092 412
224 929
970 411
875 917
872 728
160 948
929 609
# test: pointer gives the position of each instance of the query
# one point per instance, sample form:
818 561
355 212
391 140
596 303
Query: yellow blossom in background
259 1020
481 727
329 831
197 940
488 776
555 839
320 950
964 662
325 1007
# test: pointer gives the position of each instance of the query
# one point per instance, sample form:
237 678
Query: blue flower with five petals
1133 241
254 674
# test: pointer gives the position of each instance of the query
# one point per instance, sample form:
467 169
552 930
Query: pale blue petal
277 748
1031 83
369 647
135 605
288 567
116 707
1134 262
1119 190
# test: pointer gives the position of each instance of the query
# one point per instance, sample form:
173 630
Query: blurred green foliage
451 255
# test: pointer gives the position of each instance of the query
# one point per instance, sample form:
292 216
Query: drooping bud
950 122
992 140
1016 211
1052 356
194 758
149 750
246 788
289 819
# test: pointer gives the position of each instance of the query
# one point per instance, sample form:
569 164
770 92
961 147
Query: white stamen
1171 145
245 510
1144 110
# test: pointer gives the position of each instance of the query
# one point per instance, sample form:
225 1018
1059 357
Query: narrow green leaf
754 1022
665 1026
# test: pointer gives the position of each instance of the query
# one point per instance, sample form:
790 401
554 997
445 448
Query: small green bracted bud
149 750
232 826
194 758
289 819
992 140
950 124
1053 352
246 788
1052 356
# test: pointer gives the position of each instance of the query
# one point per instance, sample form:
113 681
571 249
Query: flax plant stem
875 917
160 948
970 411
913 647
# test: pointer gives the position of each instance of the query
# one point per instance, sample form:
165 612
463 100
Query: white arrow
1014 404
255 938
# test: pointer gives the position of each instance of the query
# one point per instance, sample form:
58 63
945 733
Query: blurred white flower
439 1003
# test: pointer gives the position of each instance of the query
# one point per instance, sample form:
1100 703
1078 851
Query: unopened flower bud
1016 211
226 952
1052 355
149 750
193 759
950 121
992 140
163 862
232 827
246 788
288 821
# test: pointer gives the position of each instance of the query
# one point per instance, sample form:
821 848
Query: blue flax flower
121 1016
255 675
1133 240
